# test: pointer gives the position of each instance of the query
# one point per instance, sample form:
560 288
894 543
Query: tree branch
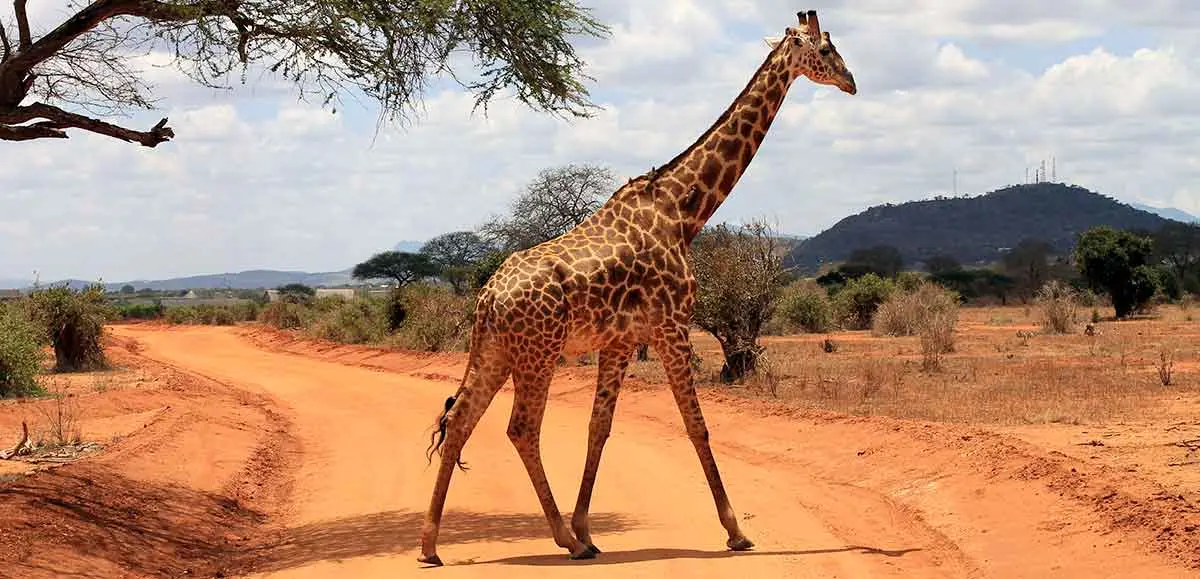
58 120
24 38
4 44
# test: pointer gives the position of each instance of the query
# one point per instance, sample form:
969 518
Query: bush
909 281
358 321
912 313
436 319
1059 306
857 301
805 305
75 323
287 315
20 353
140 311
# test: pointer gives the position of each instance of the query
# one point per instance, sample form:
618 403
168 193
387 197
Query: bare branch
57 120
24 38
4 44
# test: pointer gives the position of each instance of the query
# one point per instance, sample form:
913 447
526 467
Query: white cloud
256 179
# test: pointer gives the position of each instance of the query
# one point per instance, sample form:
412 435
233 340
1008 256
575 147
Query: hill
975 230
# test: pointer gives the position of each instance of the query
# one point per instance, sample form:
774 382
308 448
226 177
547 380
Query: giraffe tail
438 437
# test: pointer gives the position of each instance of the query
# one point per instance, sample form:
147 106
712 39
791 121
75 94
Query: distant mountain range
1168 212
974 230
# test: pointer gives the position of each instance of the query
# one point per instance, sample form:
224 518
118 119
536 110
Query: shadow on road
660 554
397 532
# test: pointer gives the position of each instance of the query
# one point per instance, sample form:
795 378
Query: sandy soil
245 452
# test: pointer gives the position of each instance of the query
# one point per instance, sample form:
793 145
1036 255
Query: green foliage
212 315
357 321
387 51
140 311
1177 246
942 263
296 293
857 301
456 255
909 281
976 284
401 266
74 320
804 305
436 319
486 268
1116 262
20 353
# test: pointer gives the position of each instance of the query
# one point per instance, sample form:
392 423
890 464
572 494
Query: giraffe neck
700 178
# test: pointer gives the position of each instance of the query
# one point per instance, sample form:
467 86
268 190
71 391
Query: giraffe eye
824 50
796 41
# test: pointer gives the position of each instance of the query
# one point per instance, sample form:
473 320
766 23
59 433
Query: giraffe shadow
663 554
395 532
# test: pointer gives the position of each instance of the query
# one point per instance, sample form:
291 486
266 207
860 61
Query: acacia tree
457 255
401 266
739 274
555 201
383 49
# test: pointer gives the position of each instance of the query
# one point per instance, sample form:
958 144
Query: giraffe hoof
431 560
594 549
739 544
586 552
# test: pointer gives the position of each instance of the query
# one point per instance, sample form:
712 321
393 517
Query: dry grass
989 378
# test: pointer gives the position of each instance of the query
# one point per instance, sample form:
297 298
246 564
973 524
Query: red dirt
268 455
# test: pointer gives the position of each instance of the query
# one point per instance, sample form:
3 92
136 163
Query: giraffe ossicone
619 279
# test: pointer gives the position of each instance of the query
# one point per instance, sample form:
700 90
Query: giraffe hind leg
458 421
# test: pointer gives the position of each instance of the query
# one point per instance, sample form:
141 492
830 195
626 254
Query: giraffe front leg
611 372
531 388
461 420
675 351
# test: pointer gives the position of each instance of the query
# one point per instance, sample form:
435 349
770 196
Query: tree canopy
457 255
401 266
555 201
1117 262
387 51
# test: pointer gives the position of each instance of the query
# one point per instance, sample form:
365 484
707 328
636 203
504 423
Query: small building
344 293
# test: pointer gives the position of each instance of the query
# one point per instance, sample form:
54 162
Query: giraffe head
810 52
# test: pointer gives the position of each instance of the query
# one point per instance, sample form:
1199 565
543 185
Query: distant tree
403 267
1177 245
1117 263
739 275
127 289
942 263
386 51
1028 264
296 292
456 254
555 201
882 260
481 272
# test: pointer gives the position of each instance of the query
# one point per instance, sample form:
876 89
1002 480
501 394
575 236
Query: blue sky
255 179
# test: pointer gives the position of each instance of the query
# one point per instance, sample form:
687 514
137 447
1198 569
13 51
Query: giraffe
619 279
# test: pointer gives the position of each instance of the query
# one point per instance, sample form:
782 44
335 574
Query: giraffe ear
772 41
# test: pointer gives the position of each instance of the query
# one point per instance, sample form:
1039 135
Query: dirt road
820 496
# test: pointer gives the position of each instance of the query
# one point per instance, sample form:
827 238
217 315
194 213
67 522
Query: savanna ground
248 451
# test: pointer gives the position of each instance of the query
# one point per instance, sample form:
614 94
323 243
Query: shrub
74 320
436 319
182 315
20 353
909 281
286 315
805 305
912 313
1059 307
140 311
358 321
857 301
